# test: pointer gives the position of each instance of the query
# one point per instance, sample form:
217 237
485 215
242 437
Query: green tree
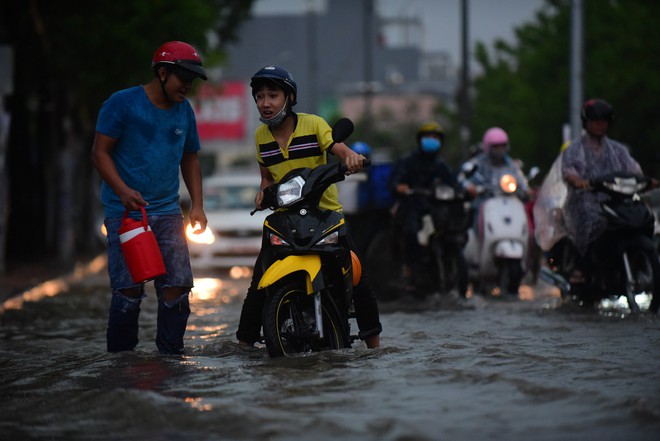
524 87
68 57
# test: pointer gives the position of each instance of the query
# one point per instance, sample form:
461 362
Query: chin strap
162 86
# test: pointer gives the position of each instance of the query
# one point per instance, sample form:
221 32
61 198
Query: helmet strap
162 84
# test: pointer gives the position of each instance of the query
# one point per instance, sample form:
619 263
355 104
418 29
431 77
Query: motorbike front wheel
290 326
645 268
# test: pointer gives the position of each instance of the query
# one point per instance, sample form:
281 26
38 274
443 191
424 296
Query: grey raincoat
583 216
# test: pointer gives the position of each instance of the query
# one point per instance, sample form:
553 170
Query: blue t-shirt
150 145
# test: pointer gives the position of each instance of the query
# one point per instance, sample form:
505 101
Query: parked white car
232 237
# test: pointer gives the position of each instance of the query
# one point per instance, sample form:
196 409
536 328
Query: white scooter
497 251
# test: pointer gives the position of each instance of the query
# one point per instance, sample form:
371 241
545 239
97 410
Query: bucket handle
145 223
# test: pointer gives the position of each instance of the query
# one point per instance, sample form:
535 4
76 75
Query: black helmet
596 109
279 76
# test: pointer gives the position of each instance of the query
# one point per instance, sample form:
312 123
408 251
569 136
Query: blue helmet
279 76
361 148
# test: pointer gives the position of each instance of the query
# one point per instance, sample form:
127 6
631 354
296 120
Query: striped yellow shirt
307 147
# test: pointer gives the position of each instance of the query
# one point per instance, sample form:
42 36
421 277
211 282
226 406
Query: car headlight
330 239
206 237
290 191
508 184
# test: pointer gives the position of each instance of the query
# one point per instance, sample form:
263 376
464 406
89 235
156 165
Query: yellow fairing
311 264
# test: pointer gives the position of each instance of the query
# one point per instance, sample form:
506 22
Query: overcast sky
489 19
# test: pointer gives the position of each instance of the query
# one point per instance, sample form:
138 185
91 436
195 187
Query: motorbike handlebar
602 183
341 168
365 163
420 191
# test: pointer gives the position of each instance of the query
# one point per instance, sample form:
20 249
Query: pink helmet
494 135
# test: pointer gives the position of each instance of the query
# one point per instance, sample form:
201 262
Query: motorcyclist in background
591 155
420 169
491 163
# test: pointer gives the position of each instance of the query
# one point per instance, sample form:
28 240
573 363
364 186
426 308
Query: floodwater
487 369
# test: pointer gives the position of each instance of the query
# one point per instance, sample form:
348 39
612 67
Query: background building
342 63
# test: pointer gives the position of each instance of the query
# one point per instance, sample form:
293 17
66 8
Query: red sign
221 111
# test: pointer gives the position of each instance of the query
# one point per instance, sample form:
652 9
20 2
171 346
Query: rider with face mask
420 169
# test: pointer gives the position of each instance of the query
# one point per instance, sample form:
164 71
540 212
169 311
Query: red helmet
596 109
180 54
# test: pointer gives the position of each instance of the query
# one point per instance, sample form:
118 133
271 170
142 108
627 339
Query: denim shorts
170 235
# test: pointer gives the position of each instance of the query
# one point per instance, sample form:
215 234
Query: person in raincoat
591 155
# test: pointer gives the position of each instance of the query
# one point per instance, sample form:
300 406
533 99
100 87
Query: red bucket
140 248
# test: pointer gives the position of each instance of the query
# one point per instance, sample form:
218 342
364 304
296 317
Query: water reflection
240 272
53 287
207 288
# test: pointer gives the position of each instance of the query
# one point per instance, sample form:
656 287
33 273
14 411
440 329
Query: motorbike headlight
206 237
508 184
444 193
277 240
330 239
290 191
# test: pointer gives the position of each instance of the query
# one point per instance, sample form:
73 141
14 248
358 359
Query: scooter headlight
290 191
508 184
444 193
330 239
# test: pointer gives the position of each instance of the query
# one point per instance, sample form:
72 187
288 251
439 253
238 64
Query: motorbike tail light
508 183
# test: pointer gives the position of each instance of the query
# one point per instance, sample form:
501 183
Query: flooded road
484 370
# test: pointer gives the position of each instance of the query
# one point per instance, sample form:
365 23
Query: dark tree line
68 56
524 87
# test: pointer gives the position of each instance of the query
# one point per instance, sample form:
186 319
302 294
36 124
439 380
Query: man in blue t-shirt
144 136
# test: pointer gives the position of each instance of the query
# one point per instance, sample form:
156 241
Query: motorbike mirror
342 129
534 172
469 168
